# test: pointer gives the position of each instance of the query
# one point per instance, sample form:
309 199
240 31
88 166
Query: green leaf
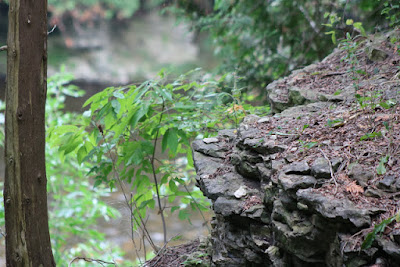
333 36
71 145
119 95
174 208
142 89
164 179
172 186
337 92
369 238
381 166
97 183
81 154
137 157
189 157
94 98
184 215
171 198
59 130
165 94
358 26
148 203
180 181
116 106
387 104
178 237
370 135
138 115
104 111
171 140
379 228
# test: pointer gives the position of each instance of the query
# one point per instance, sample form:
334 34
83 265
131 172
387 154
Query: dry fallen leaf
236 108
354 188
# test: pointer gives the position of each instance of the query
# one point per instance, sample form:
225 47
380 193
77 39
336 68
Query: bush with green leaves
125 127
75 205
391 11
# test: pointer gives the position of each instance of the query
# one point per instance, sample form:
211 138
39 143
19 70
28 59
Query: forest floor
362 132
192 252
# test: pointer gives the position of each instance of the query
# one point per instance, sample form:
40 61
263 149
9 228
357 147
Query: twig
132 235
52 30
334 73
309 19
197 205
161 210
352 237
3 48
330 169
91 260
116 176
142 225
279 133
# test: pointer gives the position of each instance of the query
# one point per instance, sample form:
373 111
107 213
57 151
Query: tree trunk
25 198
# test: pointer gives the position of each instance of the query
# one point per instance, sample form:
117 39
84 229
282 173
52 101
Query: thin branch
142 225
52 29
197 205
330 168
309 19
116 176
101 262
132 235
3 48
161 210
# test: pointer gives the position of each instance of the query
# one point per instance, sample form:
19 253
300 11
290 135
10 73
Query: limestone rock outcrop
286 190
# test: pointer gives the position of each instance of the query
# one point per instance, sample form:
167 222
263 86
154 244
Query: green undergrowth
137 139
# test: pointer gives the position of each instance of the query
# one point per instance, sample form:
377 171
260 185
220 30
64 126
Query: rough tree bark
25 198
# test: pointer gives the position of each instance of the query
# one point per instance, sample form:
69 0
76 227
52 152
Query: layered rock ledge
302 187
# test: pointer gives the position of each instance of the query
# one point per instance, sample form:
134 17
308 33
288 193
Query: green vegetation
378 229
123 128
264 40
371 99
391 11
75 205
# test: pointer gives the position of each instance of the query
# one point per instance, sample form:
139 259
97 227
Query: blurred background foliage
259 40
265 40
